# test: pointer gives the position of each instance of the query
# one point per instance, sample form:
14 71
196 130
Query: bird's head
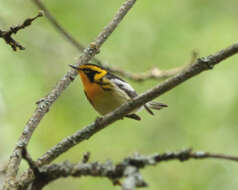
90 72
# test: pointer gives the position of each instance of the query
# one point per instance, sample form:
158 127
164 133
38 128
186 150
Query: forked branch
7 34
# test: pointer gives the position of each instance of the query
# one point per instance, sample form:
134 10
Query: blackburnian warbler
106 91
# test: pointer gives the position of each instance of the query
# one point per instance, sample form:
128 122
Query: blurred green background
202 112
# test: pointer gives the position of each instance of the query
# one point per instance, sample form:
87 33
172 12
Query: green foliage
202 112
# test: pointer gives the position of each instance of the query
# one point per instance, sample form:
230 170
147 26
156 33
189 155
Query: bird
106 91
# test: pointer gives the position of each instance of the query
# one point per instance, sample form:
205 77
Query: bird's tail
155 106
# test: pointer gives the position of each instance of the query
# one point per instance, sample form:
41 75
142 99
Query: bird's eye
86 71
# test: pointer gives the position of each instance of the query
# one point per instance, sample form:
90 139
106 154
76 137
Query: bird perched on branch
106 91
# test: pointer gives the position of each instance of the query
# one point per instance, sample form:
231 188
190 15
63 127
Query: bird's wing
123 85
126 87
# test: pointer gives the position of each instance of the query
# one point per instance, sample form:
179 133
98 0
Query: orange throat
92 90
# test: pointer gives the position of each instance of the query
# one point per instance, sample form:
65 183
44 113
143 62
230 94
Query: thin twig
128 168
55 23
200 65
7 35
45 103
154 73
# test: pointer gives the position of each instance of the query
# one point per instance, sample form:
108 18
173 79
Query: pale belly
109 101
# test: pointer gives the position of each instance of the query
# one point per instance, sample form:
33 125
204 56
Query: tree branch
154 73
200 65
128 168
7 35
45 103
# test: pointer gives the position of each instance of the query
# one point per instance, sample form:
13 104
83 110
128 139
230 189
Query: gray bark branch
127 170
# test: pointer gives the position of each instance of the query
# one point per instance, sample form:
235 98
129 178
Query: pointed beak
74 67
